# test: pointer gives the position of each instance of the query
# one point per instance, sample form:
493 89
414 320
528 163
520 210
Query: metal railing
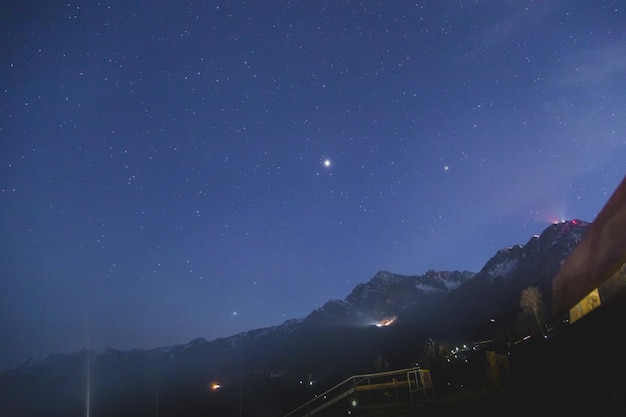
414 379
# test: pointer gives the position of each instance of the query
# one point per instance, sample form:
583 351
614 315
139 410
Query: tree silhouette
435 352
531 303
380 364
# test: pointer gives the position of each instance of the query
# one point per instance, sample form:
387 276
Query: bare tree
531 303
380 364
429 349
435 351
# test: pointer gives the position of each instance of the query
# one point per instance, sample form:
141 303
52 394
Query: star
189 199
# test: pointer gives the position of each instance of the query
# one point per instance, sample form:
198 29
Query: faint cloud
596 66
509 26
517 21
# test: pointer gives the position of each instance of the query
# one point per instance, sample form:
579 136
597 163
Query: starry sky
180 169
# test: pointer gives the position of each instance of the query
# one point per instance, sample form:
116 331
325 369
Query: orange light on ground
386 322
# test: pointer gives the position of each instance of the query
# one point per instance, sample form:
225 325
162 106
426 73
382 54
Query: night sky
180 169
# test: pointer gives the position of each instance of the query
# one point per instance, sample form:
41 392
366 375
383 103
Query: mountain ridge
431 282
338 339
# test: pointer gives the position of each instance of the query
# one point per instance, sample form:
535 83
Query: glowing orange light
386 322
215 386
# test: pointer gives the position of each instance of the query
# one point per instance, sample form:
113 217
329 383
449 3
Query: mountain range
382 324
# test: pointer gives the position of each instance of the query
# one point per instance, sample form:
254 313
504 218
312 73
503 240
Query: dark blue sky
162 164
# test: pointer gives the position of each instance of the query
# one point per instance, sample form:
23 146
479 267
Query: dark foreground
578 370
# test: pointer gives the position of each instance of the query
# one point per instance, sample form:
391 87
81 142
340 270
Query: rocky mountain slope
278 367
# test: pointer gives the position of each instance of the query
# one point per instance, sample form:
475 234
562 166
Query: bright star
327 163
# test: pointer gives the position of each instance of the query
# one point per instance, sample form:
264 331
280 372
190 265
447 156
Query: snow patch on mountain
442 281
503 269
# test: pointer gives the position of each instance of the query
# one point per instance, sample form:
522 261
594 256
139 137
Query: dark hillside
267 372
